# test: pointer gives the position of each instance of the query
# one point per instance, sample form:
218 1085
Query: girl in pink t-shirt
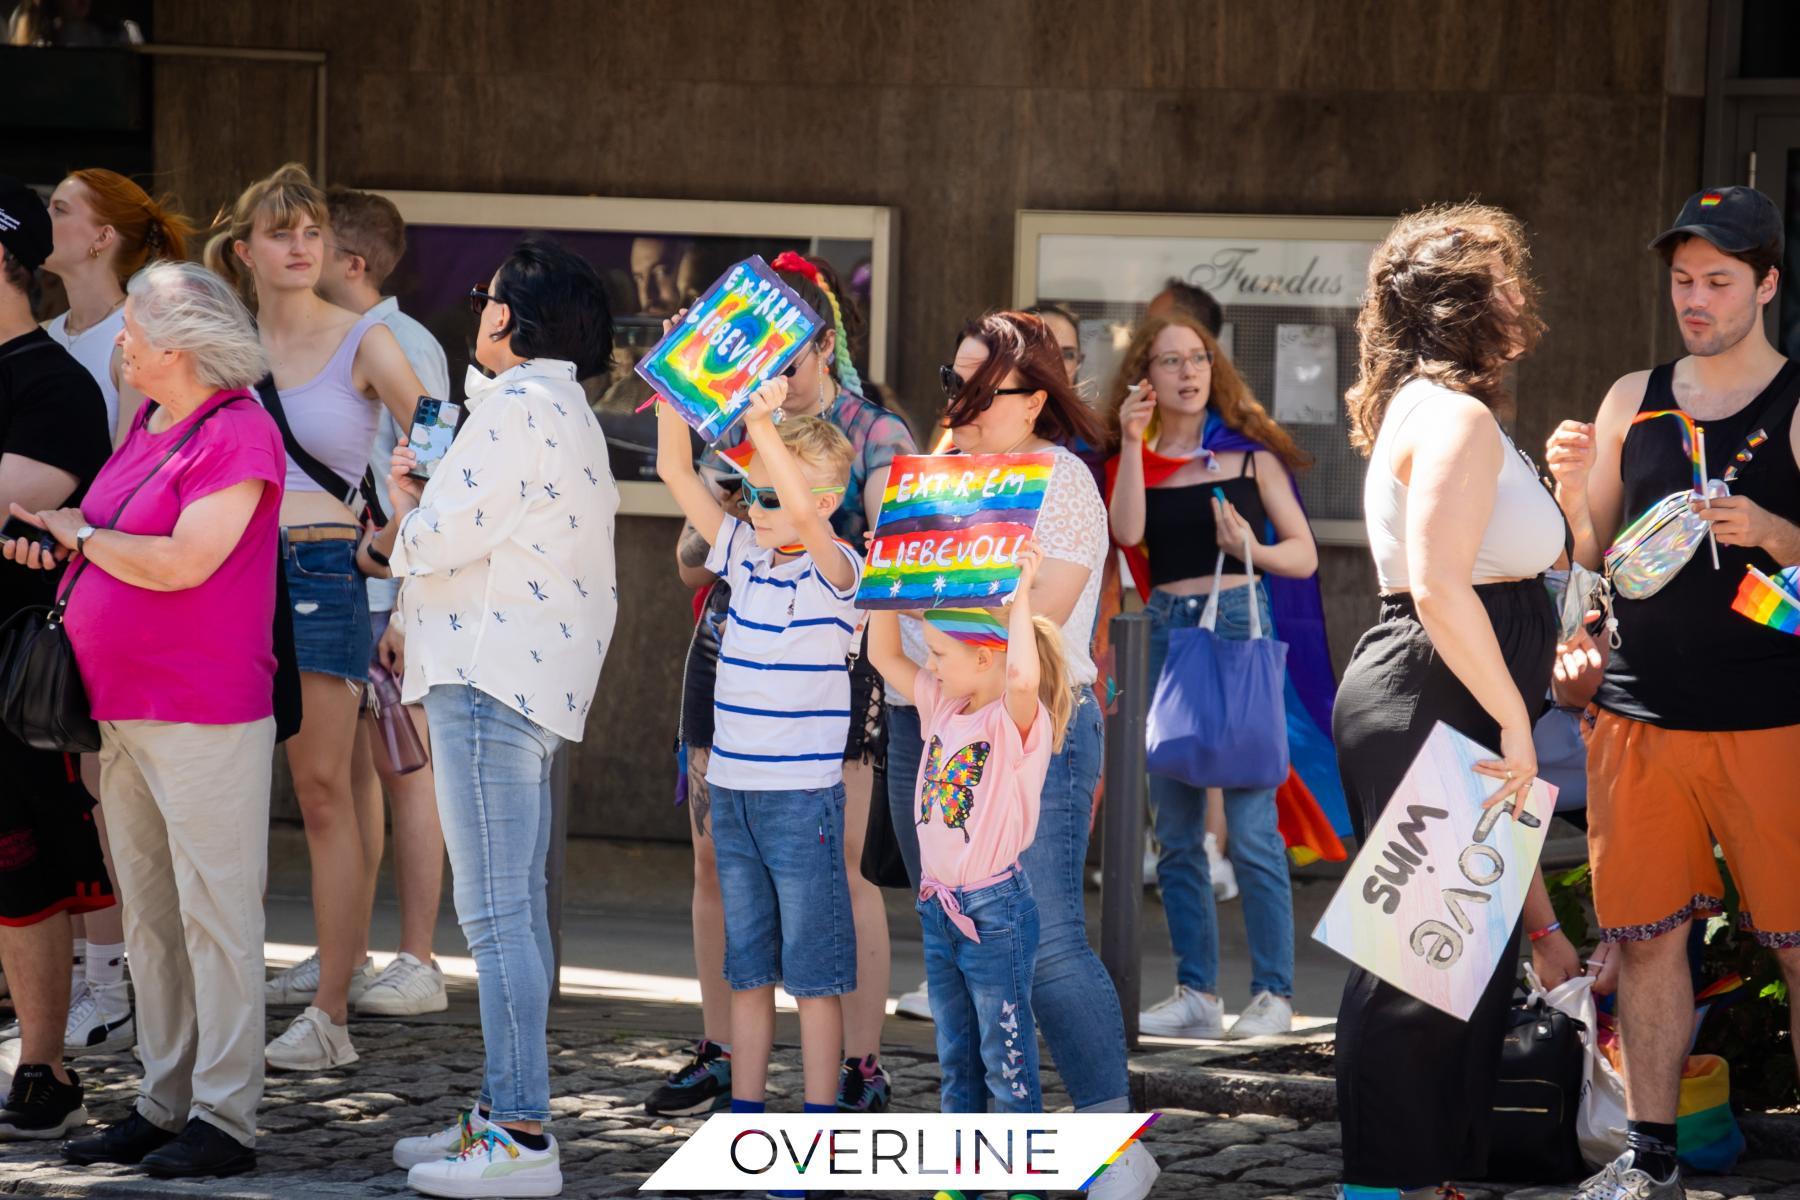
993 700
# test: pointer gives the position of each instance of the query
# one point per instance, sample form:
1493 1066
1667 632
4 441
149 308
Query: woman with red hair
105 229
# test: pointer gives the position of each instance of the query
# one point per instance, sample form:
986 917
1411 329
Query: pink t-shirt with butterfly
979 785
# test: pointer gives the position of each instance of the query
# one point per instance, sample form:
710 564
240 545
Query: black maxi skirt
1415 1085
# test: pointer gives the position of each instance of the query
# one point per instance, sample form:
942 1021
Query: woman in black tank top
1218 472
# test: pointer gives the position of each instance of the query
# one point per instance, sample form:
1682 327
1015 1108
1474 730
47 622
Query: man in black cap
1695 733
53 439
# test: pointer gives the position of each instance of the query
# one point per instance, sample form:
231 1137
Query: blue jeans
785 891
493 788
1072 996
330 607
981 999
1254 842
905 746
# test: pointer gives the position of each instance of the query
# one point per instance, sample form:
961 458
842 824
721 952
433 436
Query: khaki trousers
188 810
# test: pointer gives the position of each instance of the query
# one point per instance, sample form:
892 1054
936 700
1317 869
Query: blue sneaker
701 1086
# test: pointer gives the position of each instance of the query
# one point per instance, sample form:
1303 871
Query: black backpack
1532 1128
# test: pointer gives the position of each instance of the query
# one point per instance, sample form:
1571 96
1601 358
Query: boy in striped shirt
782 714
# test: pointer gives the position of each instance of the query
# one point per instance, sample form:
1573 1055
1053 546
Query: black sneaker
125 1142
201 1150
40 1108
863 1086
702 1085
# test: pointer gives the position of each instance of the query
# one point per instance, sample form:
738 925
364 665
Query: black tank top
1687 661
1179 534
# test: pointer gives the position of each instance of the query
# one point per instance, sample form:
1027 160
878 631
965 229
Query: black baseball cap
1734 219
24 223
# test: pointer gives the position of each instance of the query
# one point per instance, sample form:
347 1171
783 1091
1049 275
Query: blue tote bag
1219 716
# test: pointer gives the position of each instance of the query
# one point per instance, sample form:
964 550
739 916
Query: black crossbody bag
329 481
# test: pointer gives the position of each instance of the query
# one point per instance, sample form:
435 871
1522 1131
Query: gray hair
184 306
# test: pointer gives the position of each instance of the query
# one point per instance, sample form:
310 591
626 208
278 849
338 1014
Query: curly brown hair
1229 396
1450 299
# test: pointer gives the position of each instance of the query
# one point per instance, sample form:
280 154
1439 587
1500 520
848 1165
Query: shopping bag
1600 1119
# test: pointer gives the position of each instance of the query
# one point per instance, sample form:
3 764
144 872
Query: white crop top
1524 535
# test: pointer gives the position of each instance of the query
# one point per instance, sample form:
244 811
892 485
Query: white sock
105 964
78 966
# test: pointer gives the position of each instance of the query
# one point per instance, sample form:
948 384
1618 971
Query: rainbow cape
1311 807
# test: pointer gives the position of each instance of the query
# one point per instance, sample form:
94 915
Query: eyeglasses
955 384
768 501
351 251
480 298
1200 360
1071 354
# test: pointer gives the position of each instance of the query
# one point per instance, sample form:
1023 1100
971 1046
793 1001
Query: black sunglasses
955 384
480 298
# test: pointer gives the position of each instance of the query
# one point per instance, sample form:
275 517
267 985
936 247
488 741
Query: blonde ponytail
1055 689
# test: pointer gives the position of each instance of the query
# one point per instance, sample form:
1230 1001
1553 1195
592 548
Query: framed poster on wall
655 256
1289 288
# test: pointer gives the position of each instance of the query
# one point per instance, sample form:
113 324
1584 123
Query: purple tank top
331 419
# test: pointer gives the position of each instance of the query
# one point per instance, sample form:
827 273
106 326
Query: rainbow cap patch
971 626
1710 200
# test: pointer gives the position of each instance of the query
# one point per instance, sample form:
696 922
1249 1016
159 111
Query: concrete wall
1583 116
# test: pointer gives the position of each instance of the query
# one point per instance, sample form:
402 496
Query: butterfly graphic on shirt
950 786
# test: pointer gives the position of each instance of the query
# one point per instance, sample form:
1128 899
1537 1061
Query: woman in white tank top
339 370
1461 532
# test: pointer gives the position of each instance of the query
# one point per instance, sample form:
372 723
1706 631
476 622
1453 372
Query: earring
93 252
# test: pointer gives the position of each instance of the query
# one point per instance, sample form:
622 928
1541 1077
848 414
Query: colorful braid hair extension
792 260
979 627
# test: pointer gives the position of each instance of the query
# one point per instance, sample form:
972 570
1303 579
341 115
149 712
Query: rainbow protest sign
950 528
1433 896
1771 602
746 328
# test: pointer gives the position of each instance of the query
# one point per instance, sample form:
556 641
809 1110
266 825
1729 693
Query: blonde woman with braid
822 382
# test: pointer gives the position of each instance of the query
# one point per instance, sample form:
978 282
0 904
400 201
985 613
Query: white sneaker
1186 1014
915 1004
445 1143
100 1020
406 988
492 1164
312 1043
1224 875
1127 1179
299 984
1151 854
1266 1014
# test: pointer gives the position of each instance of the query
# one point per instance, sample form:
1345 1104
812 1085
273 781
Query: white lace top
1072 527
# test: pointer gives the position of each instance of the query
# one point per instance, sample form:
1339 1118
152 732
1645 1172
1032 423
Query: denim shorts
330 607
785 891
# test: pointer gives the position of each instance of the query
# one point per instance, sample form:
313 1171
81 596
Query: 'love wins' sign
747 326
1434 893
950 528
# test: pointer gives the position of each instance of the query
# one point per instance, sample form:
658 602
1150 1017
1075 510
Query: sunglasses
480 298
954 385
768 501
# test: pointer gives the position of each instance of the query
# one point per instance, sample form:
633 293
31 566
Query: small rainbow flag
950 528
1710 200
973 626
1769 601
739 456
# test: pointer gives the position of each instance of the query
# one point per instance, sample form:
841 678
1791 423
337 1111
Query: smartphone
19 527
433 429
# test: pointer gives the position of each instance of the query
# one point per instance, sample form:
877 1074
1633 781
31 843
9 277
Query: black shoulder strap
328 480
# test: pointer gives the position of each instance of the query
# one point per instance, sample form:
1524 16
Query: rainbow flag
1770 602
745 330
950 528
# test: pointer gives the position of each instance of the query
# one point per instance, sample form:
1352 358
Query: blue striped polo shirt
781 705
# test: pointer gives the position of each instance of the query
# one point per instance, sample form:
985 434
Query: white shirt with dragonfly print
509 580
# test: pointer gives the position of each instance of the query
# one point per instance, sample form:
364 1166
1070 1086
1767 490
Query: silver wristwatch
81 537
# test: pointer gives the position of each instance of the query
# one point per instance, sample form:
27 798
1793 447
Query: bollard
557 858
1122 819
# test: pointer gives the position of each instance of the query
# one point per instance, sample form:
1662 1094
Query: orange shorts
1657 801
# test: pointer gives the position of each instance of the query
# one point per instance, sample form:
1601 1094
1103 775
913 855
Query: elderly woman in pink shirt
171 604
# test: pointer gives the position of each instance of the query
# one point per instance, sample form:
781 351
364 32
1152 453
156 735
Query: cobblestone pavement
329 1135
